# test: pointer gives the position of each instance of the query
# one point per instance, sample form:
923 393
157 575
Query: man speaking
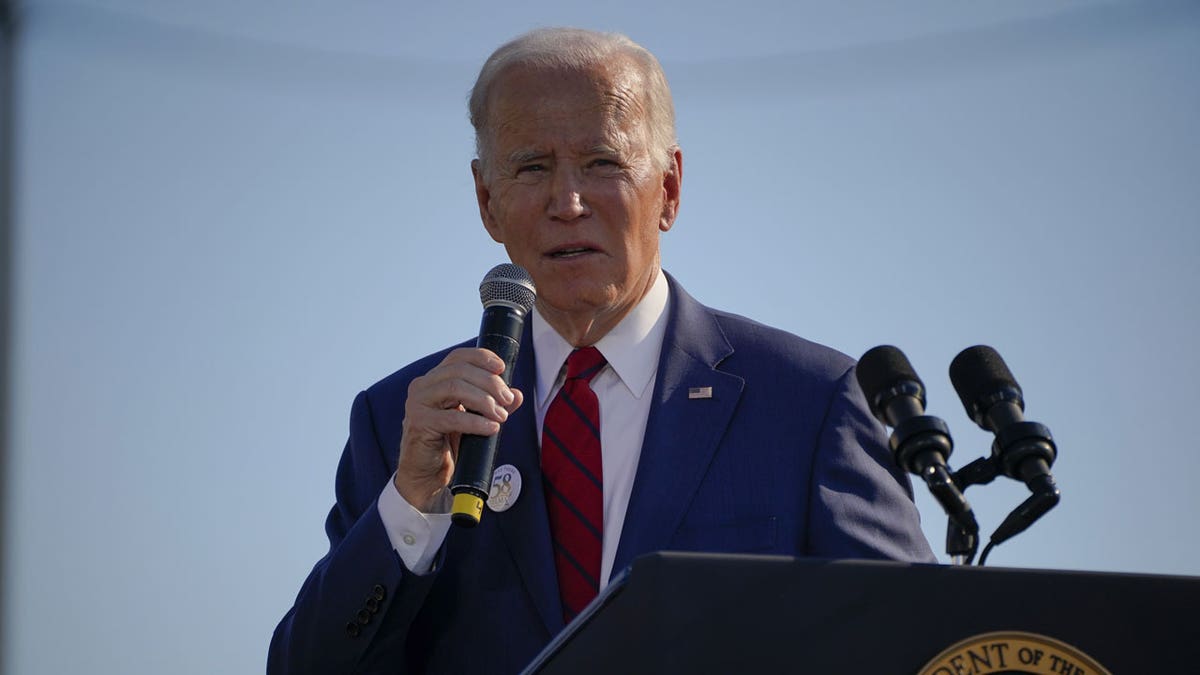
638 420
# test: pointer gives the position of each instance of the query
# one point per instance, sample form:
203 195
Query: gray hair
578 49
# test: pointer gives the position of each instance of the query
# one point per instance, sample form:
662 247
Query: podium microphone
507 293
1024 450
920 443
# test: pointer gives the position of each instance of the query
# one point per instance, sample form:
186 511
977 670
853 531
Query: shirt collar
631 347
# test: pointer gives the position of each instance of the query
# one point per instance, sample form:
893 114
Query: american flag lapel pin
699 392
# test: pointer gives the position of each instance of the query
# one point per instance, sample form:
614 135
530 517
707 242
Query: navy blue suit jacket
784 458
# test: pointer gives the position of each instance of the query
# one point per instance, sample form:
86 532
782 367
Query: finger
485 360
457 392
449 385
445 423
517 399
482 358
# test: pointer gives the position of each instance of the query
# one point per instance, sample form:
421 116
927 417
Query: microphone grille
508 284
980 375
881 369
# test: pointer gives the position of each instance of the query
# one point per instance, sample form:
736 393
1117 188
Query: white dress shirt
624 388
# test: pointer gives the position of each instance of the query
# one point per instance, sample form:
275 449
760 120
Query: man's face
573 192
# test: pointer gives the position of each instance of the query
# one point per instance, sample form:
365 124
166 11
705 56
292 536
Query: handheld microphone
1024 450
920 443
507 293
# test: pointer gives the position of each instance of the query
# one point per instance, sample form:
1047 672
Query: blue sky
231 219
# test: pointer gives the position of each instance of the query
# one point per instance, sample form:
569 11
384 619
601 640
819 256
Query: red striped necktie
571 469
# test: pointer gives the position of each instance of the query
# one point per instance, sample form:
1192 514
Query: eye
530 168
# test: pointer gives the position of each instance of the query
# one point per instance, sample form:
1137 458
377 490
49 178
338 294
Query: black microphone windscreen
978 373
880 369
508 284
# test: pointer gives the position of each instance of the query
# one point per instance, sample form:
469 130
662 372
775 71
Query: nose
566 202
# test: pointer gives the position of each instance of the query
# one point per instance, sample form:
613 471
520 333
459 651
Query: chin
579 297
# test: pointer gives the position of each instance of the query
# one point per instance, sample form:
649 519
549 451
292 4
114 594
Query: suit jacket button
379 592
364 617
353 629
372 605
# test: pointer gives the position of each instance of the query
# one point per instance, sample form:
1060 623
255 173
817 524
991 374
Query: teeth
571 251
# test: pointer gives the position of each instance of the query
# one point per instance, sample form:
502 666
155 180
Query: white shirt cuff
416 536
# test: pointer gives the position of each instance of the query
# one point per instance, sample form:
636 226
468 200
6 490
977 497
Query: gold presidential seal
1012 652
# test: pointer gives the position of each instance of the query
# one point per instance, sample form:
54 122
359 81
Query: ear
672 182
483 196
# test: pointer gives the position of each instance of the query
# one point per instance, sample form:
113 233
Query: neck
580 331
584 329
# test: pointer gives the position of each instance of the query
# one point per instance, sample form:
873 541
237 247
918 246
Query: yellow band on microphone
467 505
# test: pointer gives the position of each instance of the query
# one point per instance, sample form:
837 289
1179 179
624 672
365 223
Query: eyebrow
523 156
602 149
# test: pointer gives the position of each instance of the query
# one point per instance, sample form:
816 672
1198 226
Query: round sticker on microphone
506 487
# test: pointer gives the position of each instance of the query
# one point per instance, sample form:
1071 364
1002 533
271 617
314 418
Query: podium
701 613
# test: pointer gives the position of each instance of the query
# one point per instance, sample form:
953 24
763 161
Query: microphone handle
500 332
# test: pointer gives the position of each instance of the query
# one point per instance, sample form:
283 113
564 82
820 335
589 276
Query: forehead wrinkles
621 91
542 102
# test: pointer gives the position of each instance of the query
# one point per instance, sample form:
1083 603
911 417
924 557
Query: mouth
572 251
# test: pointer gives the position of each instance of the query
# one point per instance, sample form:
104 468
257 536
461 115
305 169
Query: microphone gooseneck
507 293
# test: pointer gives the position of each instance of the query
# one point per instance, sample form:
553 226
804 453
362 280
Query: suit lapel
682 432
525 528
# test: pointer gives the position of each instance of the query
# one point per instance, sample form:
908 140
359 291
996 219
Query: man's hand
436 416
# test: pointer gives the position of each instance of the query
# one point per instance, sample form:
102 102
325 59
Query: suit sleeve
354 611
861 503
